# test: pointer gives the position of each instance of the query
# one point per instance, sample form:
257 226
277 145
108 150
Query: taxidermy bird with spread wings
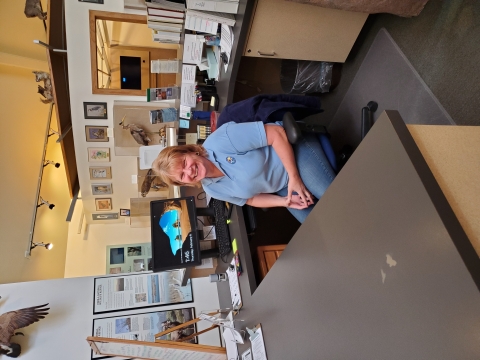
11 321
137 132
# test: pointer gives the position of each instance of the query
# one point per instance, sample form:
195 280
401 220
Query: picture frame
92 1
96 133
95 110
108 216
124 212
98 154
100 172
102 189
103 204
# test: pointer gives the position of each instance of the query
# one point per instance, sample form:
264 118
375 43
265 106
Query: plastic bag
301 76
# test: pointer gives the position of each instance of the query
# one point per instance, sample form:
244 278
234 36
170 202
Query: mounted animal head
41 75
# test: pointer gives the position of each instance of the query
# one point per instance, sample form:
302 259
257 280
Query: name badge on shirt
231 160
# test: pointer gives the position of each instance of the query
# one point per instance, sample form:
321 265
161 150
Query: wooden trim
265 256
95 15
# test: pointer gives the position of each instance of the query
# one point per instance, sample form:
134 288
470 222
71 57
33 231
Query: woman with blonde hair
251 163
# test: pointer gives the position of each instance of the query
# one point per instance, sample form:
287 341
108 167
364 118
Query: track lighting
47 246
44 202
50 162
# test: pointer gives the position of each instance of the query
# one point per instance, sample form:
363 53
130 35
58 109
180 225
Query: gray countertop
381 269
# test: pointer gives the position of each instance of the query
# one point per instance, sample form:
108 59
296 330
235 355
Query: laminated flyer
163 93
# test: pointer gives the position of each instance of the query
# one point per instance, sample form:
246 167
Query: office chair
294 130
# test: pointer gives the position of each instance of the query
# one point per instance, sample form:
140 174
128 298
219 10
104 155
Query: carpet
387 77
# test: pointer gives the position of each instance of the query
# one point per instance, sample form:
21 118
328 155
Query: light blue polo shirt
250 166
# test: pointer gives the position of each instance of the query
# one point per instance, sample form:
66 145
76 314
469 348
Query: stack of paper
221 18
222 6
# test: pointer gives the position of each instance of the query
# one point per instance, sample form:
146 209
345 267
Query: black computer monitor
131 72
175 240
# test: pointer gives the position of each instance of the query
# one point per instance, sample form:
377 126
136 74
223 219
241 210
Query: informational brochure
188 96
192 49
135 291
144 327
258 346
129 258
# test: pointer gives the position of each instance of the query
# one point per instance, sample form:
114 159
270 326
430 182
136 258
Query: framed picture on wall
124 212
98 154
92 1
100 172
109 216
102 189
96 133
95 110
103 204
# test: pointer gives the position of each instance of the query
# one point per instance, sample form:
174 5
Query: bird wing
13 320
147 182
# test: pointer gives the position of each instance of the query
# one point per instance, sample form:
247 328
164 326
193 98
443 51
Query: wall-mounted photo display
96 133
124 212
103 204
136 291
126 326
98 154
102 189
127 258
95 110
100 172
109 216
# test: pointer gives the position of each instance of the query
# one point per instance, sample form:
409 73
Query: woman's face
191 169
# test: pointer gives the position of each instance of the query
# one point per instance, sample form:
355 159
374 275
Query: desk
381 269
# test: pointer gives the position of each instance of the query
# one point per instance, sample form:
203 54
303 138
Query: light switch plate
191 138
134 179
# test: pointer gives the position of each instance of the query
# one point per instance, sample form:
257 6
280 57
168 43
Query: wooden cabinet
288 30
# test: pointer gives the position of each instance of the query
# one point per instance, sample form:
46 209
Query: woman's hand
296 202
295 184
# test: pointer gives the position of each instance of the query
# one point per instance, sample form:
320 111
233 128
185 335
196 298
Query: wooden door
288 30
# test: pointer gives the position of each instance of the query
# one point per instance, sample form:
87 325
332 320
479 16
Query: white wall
88 257
123 167
61 335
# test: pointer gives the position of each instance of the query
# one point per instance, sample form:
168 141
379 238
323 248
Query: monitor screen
175 241
131 72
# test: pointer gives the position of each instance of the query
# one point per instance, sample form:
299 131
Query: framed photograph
95 110
124 212
100 172
92 1
102 189
109 216
99 154
96 133
126 258
103 204
148 292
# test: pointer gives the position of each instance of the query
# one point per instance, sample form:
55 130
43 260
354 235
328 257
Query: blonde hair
171 158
